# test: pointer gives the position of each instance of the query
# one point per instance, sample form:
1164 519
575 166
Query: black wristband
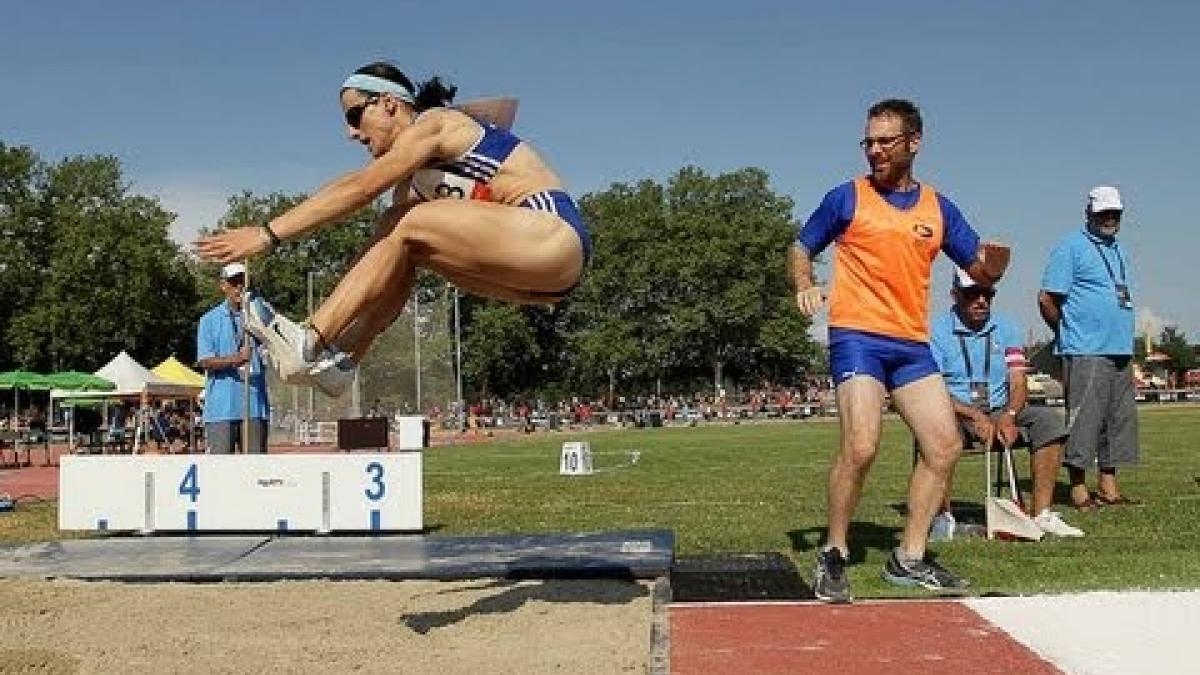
275 242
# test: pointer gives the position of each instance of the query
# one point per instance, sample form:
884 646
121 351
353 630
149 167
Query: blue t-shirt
960 241
1087 270
948 338
219 334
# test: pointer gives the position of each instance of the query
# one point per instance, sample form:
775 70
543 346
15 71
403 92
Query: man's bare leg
860 404
926 408
1044 464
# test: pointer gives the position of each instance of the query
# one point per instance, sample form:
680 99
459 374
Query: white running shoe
1052 523
333 373
287 341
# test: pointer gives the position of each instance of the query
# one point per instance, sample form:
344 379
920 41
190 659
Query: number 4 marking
190 485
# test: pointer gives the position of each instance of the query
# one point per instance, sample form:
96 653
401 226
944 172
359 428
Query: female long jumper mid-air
472 202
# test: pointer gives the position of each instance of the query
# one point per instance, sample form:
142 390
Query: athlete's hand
810 300
234 244
993 257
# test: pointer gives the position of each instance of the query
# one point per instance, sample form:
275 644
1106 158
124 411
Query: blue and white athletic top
469 176
483 160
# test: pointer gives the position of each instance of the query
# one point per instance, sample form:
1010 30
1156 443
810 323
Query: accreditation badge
1124 301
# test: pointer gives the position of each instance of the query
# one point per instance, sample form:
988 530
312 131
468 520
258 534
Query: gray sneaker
925 573
829 579
333 373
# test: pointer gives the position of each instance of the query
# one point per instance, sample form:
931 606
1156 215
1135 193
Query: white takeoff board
342 492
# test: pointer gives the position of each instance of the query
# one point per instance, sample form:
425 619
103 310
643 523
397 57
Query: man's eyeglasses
884 142
974 293
354 113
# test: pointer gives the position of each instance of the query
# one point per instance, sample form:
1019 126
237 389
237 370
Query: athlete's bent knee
942 454
859 456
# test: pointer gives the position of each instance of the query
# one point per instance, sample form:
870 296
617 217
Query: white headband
378 85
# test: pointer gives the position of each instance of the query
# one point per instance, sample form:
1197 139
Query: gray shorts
1038 427
1101 412
225 438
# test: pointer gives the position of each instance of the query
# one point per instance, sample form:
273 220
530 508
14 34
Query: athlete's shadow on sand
863 536
512 594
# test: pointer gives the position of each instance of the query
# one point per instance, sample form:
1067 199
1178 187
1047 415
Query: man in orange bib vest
888 228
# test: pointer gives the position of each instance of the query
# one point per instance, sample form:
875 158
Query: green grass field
761 487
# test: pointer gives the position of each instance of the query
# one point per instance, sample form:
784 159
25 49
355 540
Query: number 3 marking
375 492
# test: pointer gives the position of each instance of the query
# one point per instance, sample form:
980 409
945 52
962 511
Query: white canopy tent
133 380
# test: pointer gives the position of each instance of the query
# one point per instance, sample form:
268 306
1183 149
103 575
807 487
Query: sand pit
482 626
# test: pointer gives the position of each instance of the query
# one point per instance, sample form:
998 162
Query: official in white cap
228 355
1087 299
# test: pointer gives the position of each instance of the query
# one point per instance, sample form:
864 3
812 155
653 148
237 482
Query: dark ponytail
433 94
430 94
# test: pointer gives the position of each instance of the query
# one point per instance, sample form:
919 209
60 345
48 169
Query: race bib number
431 184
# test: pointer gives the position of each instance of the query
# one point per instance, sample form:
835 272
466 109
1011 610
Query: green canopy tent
74 380
22 379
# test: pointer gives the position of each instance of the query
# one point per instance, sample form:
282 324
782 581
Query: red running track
926 637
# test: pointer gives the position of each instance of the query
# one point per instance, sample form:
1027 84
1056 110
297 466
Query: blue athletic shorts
893 361
560 204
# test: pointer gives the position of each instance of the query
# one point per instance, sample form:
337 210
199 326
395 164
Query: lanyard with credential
980 391
1107 266
1120 287
239 335
987 357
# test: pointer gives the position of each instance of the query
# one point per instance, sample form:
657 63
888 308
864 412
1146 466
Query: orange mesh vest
882 265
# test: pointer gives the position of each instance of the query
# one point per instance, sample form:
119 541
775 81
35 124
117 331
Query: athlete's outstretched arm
413 148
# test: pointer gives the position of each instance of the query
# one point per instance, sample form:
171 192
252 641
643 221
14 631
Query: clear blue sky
1027 103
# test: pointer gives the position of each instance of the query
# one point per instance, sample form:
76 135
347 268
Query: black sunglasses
354 113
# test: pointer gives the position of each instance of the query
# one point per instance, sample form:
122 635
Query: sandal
1089 504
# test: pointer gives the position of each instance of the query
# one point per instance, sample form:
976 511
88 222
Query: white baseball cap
1104 198
962 279
232 270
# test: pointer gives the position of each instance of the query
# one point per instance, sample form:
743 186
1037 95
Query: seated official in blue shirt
982 359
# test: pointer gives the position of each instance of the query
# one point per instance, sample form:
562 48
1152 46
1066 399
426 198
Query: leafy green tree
24 231
110 277
1173 342
499 347
689 278
615 319
730 235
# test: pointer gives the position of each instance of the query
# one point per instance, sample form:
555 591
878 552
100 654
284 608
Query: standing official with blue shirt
228 355
1087 300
